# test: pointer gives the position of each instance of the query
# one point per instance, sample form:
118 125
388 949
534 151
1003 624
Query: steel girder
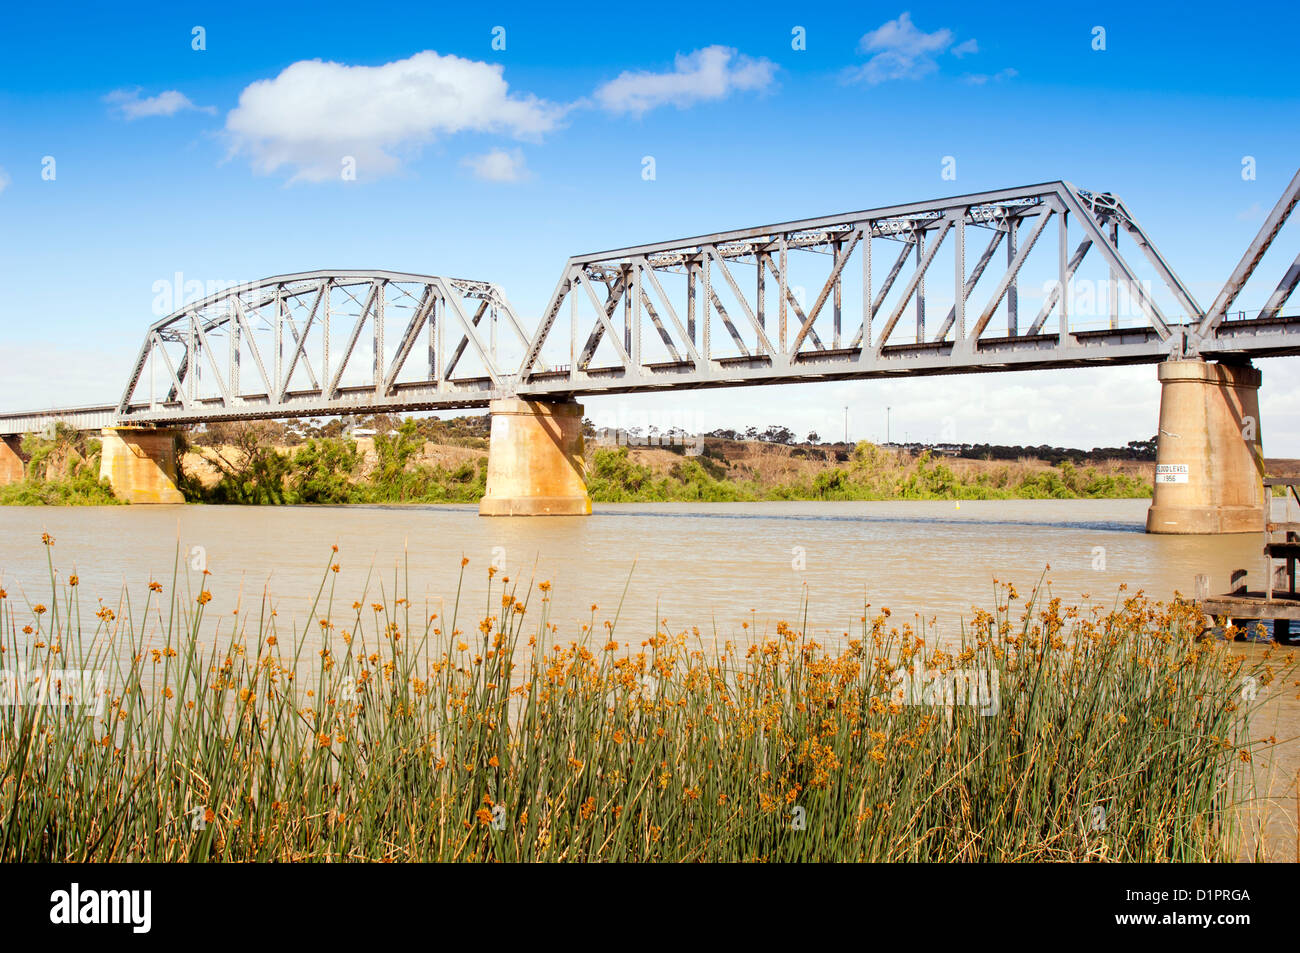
782 343
302 334
323 343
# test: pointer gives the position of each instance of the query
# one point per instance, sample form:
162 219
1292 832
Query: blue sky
161 168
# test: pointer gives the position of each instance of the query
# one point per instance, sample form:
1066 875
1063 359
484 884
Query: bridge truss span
322 343
1039 276
933 287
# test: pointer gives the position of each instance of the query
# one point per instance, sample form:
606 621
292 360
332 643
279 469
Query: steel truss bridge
751 306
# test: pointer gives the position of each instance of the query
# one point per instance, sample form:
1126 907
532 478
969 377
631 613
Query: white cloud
707 74
899 50
4 180
498 166
314 113
979 79
131 105
1252 213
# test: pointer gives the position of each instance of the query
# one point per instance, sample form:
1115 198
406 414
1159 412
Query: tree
814 437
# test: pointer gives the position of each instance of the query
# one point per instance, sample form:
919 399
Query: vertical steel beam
573 331
634 310
1063 263
920 287
232 328
1114 279
706 335
690 301
378 319
279 341
1013 289
864 333
431 336
783 283
326 288
837 305
959 277
441 343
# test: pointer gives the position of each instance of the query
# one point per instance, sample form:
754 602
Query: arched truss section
325 342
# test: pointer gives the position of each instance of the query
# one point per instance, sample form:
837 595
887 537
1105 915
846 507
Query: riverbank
1045 733
402 466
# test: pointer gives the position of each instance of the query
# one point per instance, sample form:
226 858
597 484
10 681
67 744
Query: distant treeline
1133 450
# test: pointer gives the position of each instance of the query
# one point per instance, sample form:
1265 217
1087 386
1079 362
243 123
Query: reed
377 733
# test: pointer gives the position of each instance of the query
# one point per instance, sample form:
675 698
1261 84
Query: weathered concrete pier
11 462
140 464
536 465
1209 450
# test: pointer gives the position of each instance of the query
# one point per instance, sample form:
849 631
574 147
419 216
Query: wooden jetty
1278 601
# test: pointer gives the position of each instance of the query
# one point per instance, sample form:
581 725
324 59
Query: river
711 566
715 566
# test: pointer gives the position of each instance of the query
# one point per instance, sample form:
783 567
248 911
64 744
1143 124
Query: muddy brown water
717 567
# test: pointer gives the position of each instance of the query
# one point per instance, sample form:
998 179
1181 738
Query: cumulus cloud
315 114
900 50
129 104
712 73
498 165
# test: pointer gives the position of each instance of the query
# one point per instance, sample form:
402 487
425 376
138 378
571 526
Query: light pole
846 425
887 425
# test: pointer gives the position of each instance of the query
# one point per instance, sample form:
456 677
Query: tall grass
378 733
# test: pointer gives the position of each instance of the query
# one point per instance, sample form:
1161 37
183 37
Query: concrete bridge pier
11 462
1209 451
535 461
140 464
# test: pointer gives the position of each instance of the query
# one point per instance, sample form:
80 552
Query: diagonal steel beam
241 321
1070 198
298 342
464 341
1251 258
1054 295
179 391
726 320
659 326
976 273
409 337
671 311
613 295
827 288
1283 292
912 283
764 343
1009 276
563 288
890 278
451 301
212 362
299 351
602 316
352 342
792 302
